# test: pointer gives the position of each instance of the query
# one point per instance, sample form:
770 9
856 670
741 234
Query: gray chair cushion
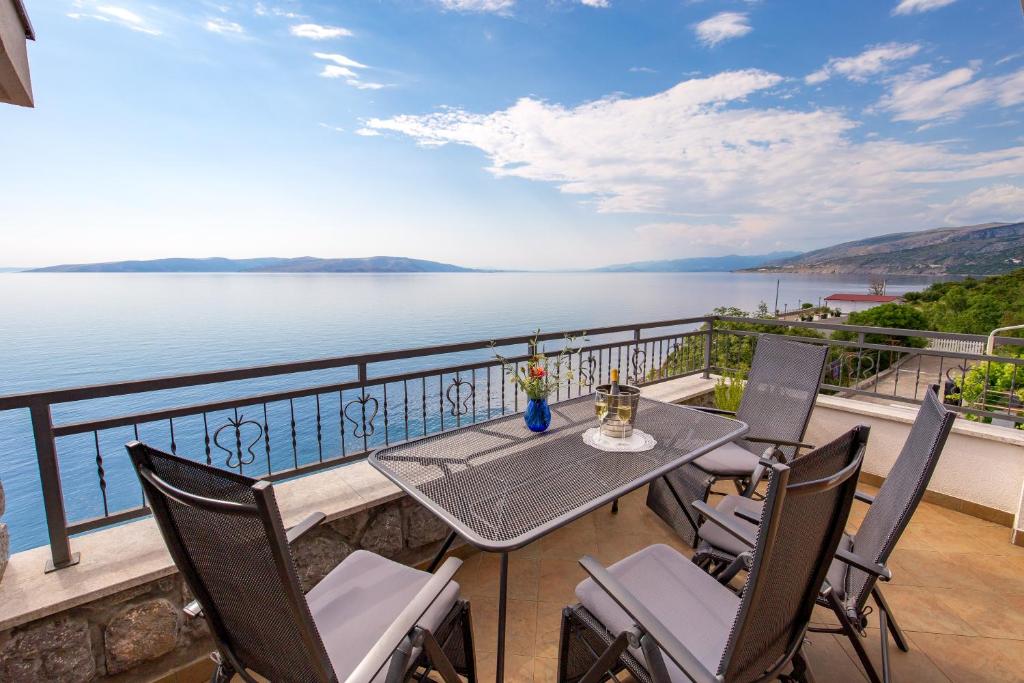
721 539
697 609
354 604
729 460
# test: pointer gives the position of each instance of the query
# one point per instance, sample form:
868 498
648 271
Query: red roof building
863 298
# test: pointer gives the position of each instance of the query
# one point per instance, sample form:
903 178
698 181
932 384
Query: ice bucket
616 413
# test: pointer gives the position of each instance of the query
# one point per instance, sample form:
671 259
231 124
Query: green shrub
729 391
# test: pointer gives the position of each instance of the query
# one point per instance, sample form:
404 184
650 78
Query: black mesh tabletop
500 486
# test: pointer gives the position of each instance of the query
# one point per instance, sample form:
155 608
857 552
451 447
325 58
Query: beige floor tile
523 576
558 579
571 542
990 614
518 668
520 626
928 568
921 609
914 665
966 660
545 670
829 661
549 623
995 573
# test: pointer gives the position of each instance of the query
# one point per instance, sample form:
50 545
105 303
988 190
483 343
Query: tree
876 286
903 316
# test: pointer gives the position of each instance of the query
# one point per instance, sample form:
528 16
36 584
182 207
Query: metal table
500 486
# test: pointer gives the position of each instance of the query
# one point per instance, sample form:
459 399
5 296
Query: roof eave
26 23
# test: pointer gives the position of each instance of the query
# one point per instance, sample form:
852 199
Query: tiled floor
958 592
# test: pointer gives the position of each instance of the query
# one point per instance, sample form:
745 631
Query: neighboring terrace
102 600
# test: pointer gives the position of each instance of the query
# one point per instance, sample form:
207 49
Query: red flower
536 371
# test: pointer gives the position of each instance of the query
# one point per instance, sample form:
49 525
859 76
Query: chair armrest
193 609
378 656
863 497
855 560
747 516
714 411
305 525
777 442
730 525
665 639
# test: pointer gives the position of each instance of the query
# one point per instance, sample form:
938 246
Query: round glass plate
637 442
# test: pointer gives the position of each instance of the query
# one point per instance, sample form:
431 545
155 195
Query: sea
71 329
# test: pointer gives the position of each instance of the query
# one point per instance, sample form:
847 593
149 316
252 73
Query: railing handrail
867 329
164 382
179 381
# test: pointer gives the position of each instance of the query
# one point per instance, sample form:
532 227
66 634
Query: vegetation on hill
970 250
972 306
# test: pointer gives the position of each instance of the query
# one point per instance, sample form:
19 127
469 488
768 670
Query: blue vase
537 415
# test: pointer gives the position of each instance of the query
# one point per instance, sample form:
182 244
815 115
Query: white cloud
368 132
723 26
340 60
873 60
706 165
498 6
336 129
997 202
915 6
319 32
218 25
265 11
335 71
113 14
642 70
919 96
341 66
596 3
365 85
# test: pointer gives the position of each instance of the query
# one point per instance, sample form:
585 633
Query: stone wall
141 634
5 535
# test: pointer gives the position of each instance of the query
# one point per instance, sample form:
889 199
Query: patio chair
777 401
661 618
862 557
370 619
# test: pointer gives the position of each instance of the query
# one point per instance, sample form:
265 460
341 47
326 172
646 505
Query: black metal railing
356 403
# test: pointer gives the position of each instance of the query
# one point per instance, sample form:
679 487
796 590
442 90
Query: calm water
70 329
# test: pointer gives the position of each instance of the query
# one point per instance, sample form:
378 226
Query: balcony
959 577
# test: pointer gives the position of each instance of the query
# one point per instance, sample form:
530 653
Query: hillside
708 264
970 250
304 264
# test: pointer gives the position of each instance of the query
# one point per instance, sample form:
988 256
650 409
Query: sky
507 133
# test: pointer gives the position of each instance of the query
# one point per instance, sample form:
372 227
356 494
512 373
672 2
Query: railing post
53 497
707 348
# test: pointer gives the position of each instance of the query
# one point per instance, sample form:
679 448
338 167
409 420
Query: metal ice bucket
617 414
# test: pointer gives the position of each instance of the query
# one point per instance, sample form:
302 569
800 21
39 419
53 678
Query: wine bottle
613 388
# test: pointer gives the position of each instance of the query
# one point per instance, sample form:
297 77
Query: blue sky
508 133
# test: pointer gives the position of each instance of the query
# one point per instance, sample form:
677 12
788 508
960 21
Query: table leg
499 672
440 553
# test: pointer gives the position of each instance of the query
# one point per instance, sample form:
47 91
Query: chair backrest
227 539
901 493
805 511
781 389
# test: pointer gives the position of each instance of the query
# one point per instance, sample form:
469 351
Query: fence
366 403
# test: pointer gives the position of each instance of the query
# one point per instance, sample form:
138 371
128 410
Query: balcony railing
344 407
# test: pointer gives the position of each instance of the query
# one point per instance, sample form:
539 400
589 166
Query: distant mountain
304 264
986 249
705 264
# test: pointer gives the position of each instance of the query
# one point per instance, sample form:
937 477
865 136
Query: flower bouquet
540 377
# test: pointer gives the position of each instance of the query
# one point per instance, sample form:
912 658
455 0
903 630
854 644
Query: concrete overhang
15 32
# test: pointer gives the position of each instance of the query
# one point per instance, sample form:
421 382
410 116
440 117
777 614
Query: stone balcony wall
141 633
5 535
